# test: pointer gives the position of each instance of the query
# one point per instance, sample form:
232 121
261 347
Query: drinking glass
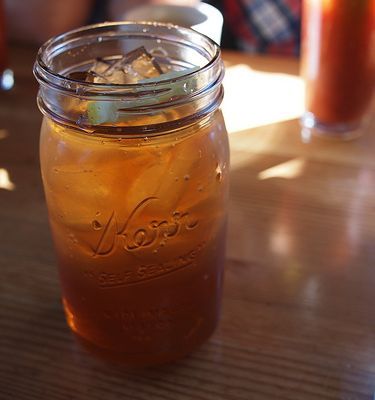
338 64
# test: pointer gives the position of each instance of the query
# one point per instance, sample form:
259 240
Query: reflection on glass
7 79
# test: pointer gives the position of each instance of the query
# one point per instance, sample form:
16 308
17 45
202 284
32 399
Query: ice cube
99 70
131 68
137 66
100 66
143 63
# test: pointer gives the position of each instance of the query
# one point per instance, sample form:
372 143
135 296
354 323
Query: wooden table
298 317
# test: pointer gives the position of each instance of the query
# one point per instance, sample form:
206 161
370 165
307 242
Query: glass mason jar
338 64
136 183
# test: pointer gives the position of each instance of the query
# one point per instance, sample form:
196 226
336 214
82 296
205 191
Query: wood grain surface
298 318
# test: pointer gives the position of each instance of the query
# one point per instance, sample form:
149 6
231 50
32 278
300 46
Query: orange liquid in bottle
338 58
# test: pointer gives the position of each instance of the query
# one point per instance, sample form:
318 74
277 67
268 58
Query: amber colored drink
139 230
338 62
136 182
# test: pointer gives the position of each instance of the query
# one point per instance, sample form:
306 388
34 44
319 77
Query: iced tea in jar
134 159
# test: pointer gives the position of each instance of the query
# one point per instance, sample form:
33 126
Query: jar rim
96 106
47 75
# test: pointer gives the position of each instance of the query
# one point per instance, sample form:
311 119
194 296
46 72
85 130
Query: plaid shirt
265 26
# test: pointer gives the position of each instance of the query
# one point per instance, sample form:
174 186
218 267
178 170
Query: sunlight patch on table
288 170
280 240
3 134
5 182
310 293
362 191
255 98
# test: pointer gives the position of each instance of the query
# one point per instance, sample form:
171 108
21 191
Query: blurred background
261 26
